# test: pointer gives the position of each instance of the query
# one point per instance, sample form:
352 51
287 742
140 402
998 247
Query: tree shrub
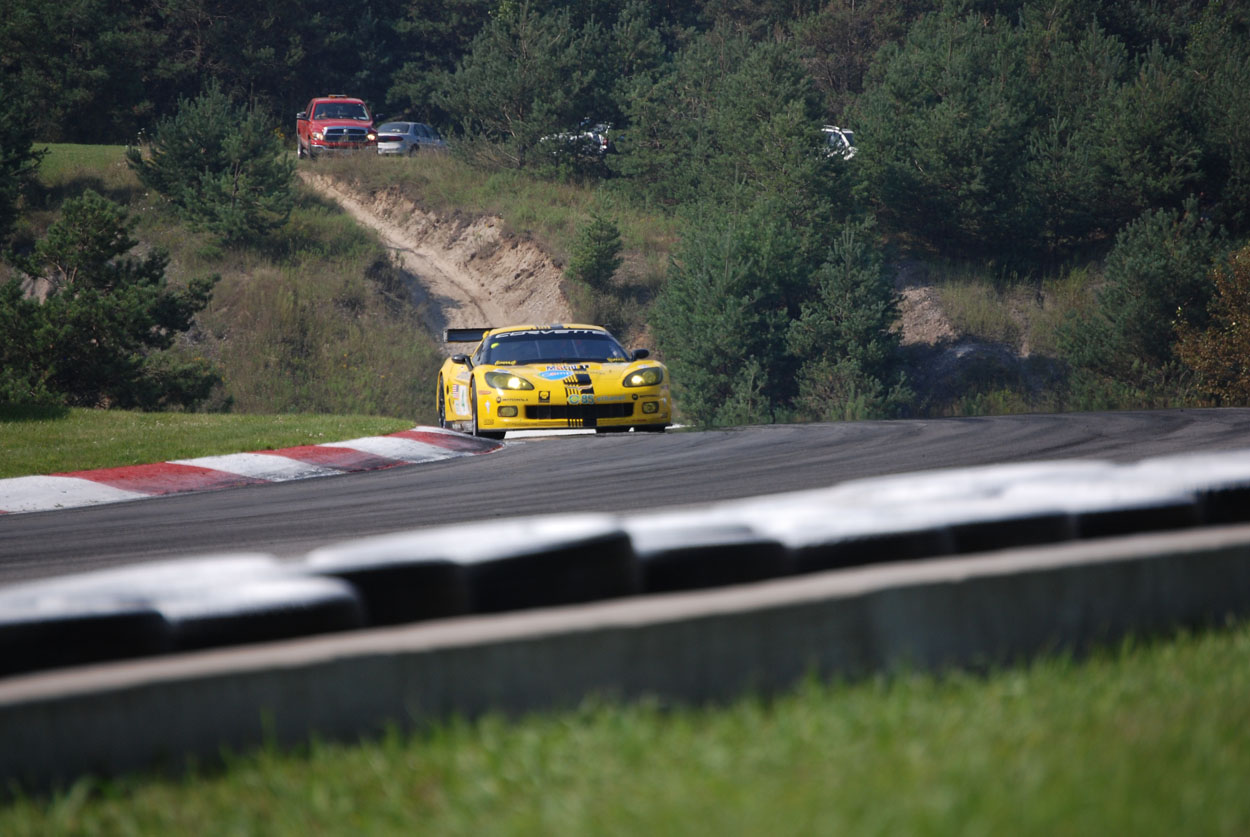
596 254
1219 352
221 166
843 336
99 339
1124 350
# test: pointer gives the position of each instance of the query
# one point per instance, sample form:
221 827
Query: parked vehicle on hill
840 142
334 123
591 142
407 138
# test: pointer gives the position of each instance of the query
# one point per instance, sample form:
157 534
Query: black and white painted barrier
938 568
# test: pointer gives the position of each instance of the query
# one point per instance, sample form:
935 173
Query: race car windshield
552 347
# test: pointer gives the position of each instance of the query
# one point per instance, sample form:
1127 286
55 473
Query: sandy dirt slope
461 274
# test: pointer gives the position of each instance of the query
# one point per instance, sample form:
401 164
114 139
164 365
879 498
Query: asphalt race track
583 473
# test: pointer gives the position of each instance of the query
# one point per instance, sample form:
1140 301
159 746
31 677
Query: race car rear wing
464 335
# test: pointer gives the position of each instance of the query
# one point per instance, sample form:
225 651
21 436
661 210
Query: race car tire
604 430
650 428
473 428
442 406
299 150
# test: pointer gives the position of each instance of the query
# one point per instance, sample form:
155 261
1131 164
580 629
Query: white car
591 142
407 138
840 142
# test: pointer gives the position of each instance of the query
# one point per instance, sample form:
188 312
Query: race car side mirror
303 114
463 360
639 354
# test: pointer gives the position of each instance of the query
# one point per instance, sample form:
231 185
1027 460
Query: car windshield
394 128
551 346
340 110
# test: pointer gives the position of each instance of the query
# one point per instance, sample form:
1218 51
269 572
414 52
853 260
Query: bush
1219 352
596 254
17 159
850 357
99 338
1156 275
221 166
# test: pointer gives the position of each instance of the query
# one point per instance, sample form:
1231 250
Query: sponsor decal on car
460 399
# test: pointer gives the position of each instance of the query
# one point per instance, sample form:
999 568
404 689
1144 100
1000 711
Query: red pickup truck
334 124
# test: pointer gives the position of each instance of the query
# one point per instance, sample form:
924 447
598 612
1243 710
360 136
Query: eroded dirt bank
461 274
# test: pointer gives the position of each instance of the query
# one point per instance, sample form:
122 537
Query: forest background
1098 153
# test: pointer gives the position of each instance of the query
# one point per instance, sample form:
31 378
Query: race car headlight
317 136
647 377
506 380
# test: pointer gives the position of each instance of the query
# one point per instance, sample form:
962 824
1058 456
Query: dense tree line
1015 132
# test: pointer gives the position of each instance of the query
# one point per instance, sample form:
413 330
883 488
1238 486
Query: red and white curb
207 473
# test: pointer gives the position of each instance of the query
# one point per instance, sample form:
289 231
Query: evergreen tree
730 117
596 255
101 335
944 125
1124 352
844 338
721 318
528 74
221 166
18 159
1219 63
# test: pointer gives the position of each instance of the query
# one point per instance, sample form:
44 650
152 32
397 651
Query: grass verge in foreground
1145 739
48 440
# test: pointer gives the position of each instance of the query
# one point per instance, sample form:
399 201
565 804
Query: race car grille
586 413
346 134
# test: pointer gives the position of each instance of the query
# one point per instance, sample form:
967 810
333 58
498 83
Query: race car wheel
473 428
650 428
299 150
442 406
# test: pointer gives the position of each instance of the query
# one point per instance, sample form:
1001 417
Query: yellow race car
549 377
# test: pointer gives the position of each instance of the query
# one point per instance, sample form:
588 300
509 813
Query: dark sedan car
408 138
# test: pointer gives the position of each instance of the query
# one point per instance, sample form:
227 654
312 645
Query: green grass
37 440
1144 740
65 162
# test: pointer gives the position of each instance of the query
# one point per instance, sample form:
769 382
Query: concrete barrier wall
537 613
688 647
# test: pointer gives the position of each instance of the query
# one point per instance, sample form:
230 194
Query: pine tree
100 337
596 255
18 159
849 354
221 166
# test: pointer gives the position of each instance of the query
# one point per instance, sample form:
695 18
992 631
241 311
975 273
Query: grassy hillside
316 320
